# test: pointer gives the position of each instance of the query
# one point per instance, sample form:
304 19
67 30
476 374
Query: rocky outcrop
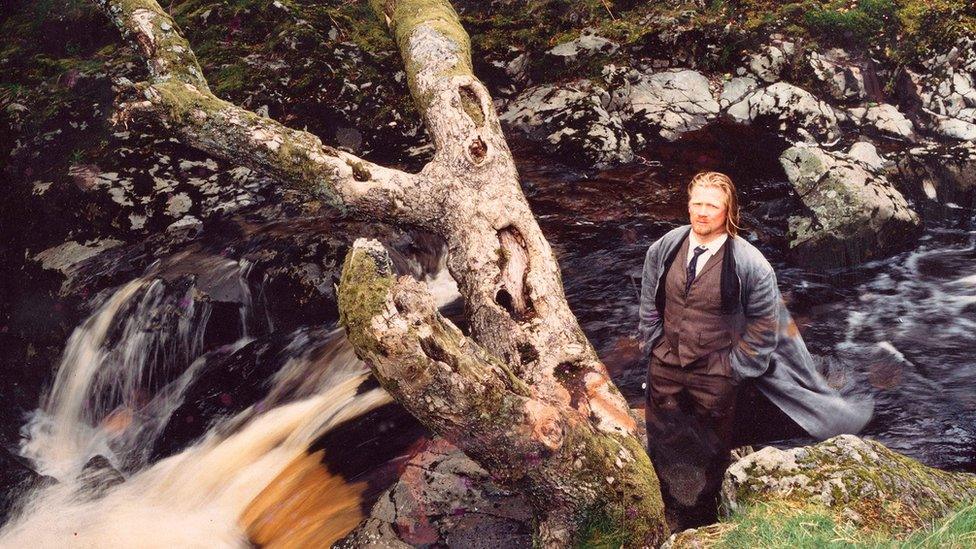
445 499
663 104
850 476
789 110
942 177
946 92
572 121
735 89
854 213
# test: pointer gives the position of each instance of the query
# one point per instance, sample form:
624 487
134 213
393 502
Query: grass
789 525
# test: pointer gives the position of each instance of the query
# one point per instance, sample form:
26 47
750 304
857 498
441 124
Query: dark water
901 330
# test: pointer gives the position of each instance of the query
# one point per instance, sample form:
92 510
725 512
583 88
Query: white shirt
712 248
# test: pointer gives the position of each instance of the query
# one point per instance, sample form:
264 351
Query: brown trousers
690 412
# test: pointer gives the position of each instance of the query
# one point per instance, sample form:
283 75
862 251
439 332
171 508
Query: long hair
725 184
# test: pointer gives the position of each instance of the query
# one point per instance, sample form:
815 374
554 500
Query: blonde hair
725 184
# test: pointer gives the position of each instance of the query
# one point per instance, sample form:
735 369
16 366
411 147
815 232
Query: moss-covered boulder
843 492
860 480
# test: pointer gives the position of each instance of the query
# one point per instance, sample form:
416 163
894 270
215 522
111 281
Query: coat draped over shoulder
768 345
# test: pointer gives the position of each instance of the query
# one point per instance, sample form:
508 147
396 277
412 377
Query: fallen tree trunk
526 395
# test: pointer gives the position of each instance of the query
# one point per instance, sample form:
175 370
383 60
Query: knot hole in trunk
513 264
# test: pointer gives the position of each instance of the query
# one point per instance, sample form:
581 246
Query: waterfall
195 498
124 372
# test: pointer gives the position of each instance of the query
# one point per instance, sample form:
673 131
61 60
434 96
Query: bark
569 470
526 395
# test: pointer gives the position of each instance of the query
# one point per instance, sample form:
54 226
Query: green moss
868 22
363 292
183 102
230 80
632 513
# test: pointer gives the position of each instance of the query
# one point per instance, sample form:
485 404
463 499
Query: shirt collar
712 246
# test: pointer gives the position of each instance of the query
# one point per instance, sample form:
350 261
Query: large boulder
572 121
662 104
852 476
843 486
854 213
792 111
942 178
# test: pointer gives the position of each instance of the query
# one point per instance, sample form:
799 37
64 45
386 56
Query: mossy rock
859 481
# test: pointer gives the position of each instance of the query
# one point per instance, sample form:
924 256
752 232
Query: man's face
707 211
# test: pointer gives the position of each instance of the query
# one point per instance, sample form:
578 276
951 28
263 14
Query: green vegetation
601 531
868 22
788 525
899 31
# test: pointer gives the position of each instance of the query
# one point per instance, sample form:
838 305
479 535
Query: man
711 315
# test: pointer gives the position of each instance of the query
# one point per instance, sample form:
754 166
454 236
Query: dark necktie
692 266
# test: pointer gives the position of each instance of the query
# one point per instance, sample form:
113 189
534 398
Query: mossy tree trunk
526 395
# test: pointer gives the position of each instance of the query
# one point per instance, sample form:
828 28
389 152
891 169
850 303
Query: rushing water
124 371
901 330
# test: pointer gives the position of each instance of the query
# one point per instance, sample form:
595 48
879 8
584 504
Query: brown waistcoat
694 326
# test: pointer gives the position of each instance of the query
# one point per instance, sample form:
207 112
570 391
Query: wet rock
98 476
445 499
942 177
790 110
16 478
854 213
885 119
662 104
185 228
843 77
572 121
847 473
66 256
588 44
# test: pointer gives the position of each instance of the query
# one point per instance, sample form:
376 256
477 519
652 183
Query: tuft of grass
600 531
868 22
791 525
958 530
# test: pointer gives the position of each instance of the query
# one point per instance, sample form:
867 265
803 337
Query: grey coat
765 335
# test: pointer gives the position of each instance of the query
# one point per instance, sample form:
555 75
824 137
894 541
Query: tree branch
436 52
178 95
